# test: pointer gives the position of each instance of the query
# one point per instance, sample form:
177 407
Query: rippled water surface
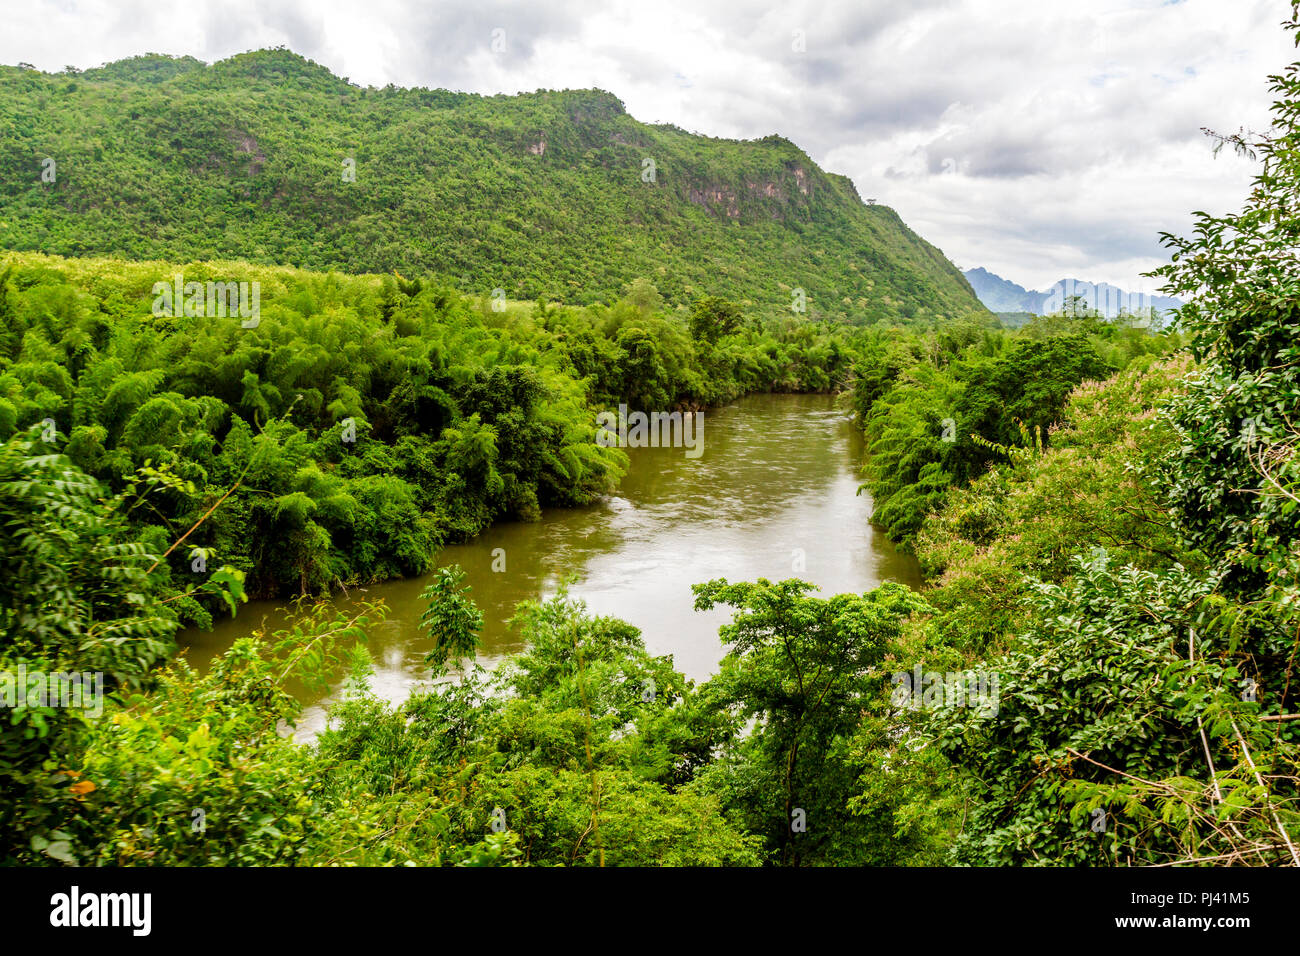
776 484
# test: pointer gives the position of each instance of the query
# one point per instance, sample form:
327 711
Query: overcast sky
1027 136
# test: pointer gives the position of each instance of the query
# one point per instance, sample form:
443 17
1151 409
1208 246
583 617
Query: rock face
270 157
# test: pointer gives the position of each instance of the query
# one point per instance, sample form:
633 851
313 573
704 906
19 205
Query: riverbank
774 495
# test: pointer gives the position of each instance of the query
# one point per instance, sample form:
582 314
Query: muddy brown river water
773 495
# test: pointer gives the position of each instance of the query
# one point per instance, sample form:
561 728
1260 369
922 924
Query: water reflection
775 486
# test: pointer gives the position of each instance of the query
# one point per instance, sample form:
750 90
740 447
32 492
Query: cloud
1038 138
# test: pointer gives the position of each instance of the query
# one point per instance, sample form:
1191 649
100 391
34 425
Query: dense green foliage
583 749
805 669
79 597
542 194
934 406
1147 687
363 421
1108 526
1027 519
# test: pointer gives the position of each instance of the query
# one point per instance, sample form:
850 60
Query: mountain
271 158
1002 295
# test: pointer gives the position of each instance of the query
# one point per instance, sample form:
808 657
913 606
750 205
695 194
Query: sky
1040 139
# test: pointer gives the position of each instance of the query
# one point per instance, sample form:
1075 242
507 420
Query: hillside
540 194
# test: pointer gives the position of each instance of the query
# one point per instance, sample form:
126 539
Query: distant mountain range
1003 295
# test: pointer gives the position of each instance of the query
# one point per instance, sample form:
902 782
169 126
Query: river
773 495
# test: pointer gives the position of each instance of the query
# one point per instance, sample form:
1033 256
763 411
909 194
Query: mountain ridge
556 194
1004 296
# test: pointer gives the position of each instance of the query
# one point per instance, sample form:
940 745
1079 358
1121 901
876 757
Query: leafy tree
81 598
713 317
804 668
451 618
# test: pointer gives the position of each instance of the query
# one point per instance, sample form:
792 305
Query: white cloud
1038 138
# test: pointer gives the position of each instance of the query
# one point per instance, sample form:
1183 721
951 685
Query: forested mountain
271 158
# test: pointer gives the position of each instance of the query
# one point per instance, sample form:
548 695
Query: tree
1231 481
452 618
805 668
82 598
712 317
